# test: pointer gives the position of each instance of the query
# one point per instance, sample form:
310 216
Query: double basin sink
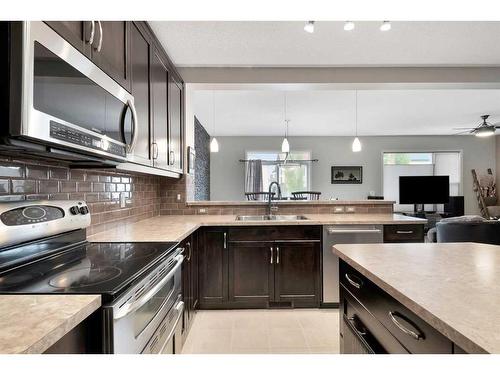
270 217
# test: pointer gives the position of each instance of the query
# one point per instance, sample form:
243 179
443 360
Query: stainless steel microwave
59 99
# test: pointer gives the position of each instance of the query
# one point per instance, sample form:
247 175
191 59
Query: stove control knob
74 210
84 210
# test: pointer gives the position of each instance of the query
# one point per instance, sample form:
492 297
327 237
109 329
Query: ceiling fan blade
464 128
464 132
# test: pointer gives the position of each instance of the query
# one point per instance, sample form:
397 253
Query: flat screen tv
424 189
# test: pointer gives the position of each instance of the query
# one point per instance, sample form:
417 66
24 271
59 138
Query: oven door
132 320
69 102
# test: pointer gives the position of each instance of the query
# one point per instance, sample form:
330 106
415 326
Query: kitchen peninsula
419 298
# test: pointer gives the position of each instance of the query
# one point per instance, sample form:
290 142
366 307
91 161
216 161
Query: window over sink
292 172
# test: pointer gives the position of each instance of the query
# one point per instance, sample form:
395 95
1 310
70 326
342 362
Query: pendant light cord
213 112
356 115
286 120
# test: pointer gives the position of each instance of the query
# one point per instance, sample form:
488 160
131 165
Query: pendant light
356 144
214 145
285 146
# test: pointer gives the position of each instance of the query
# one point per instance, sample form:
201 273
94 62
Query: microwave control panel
67 134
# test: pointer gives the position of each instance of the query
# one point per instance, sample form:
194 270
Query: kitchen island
432 298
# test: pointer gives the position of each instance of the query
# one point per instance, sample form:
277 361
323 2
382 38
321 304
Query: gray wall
227 174
202 162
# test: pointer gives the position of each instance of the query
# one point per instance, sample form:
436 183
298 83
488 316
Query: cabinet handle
355 284
225 240
92 32
188 244
404 231
415 335
277 255
155 150
172 157
271 248
99 46
353 320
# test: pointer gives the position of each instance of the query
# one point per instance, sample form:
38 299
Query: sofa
468 229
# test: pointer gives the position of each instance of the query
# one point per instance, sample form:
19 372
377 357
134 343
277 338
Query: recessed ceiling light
349 25
386 26
309 27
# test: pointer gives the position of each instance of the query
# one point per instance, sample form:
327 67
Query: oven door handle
180 309
132 306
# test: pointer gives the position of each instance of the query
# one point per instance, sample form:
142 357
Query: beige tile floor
264 332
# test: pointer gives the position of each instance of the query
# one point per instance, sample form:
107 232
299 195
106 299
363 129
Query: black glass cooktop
88 268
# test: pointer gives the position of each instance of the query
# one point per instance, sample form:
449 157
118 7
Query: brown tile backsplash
101 189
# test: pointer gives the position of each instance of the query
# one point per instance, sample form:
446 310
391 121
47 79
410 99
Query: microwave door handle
133 306
135 133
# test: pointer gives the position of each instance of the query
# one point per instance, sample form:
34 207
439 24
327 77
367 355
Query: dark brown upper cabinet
77 33
175 156
159 79
140 48
129 52
110 50
106 43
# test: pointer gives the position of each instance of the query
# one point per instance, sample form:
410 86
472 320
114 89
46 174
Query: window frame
459 151
306 163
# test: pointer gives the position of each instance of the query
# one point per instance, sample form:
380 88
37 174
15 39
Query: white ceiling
332 112
283 43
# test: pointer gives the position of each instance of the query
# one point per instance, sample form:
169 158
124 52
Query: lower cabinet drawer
412 332
362 332
404 233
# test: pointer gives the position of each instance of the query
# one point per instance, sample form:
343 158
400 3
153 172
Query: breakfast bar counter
178 227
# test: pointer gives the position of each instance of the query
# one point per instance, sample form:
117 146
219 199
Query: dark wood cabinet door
140 52
175 124
110 50
297 273
251 273
213 267
159 79
77 33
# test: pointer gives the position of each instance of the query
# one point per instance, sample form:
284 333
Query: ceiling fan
484 129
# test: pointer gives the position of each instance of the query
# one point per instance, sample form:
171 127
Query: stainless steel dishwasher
338 234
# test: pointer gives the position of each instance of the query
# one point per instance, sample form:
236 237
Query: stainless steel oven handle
180 309
135 133
132 306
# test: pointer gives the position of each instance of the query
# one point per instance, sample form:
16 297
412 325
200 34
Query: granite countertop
178 227
32 323
455 287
